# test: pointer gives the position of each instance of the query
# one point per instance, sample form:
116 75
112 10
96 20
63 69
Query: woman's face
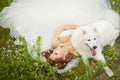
58 53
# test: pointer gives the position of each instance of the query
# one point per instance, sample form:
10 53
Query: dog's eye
94 38
89 40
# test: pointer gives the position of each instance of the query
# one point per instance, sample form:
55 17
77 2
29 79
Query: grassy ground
16 64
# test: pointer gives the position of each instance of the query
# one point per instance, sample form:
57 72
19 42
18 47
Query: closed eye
55 53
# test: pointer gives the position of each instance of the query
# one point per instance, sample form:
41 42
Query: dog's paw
108 71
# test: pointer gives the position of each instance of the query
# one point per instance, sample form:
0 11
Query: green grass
4 3
17 64
115 5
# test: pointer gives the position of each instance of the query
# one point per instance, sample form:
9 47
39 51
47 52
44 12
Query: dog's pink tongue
93 52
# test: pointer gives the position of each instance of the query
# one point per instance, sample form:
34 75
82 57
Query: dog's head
90 37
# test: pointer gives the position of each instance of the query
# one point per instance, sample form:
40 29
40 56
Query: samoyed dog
89 40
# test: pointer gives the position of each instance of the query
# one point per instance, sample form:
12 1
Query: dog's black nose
94 47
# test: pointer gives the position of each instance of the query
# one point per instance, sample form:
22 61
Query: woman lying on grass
62 52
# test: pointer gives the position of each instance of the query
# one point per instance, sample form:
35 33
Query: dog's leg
85 60
108 71
112 44
100 57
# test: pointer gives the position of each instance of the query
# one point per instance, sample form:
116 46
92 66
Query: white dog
89 41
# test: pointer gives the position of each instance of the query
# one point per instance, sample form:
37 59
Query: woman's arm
55 41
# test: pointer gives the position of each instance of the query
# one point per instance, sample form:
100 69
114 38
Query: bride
33 18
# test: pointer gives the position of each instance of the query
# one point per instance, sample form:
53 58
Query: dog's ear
94 30
84 32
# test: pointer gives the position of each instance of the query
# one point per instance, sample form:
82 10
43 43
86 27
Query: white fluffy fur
33 18
100 33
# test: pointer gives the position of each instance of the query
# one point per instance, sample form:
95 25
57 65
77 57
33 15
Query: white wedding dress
33 18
